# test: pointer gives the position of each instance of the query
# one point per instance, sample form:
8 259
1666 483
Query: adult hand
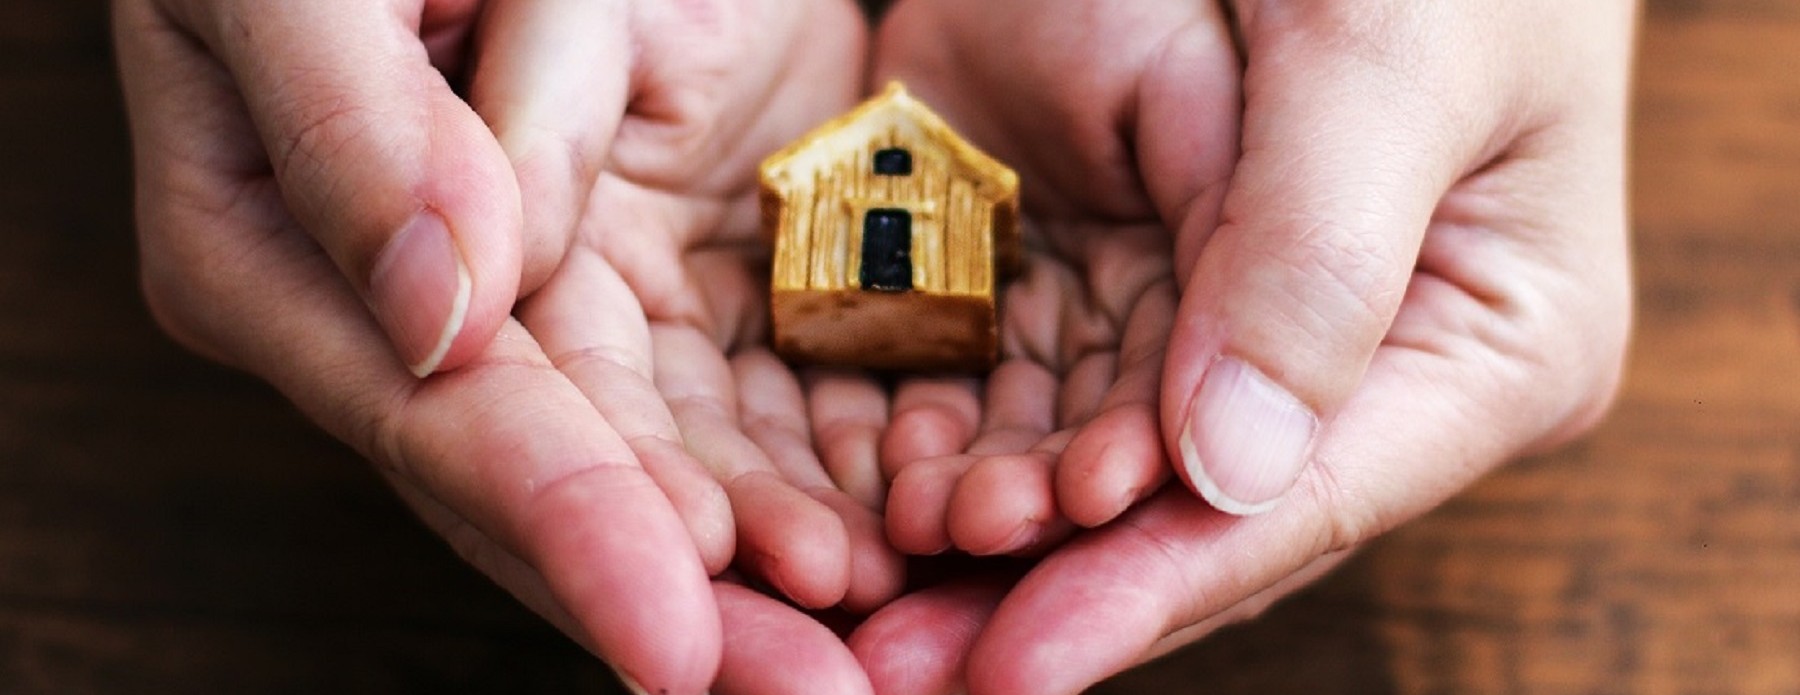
318 206
1411 268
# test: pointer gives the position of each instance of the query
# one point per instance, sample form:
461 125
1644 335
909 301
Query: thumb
1285 302
393 175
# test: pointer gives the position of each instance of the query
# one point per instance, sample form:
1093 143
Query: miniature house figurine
892 235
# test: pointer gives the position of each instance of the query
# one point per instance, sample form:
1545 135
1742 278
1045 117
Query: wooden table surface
169 526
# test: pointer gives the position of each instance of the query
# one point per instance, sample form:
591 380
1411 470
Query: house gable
902 119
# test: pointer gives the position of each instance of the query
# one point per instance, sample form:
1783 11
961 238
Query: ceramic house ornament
892 235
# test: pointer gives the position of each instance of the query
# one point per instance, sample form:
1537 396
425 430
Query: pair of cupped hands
1327 262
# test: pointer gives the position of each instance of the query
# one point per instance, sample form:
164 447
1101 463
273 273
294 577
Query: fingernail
630 684
1028 534
1246 439
419 290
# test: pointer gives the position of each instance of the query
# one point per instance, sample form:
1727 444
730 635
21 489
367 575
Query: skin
1407 217
321 185
1418 230
977 464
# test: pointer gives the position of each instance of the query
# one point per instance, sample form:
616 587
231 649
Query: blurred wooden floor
167 526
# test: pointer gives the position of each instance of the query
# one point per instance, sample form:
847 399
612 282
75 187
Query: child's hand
1117 118
1124 125
562 233
1410 267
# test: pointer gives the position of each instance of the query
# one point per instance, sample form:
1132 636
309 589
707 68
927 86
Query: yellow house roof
894 109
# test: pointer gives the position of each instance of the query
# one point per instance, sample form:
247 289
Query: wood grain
959 208
168 526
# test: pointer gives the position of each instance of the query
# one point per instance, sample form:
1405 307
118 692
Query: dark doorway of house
887 250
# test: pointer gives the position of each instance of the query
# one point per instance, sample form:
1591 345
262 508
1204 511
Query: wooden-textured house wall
952 239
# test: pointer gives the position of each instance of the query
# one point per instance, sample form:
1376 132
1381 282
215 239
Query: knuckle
181 301
382 435
1352 268
1605 369
166 299
1422 55
1338 284
324 124
1361 29
1345 518
610 364
1591 361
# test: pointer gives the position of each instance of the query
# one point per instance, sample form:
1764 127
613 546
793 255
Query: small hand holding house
892 235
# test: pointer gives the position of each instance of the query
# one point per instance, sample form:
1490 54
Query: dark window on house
887 250
893 161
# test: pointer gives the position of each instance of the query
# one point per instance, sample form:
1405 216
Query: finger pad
698 498
877 571
1114 462
1001 504
919 643
771 649
645 604
791 540
917 502
921 433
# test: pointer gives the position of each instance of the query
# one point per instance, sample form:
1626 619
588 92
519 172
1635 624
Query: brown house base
894 331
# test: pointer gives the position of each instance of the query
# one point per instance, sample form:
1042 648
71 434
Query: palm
1522 263
1453 363
658 309
526 456
1066 428
656 313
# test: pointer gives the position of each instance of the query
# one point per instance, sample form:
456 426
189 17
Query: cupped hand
1118 120
1412 268
546 210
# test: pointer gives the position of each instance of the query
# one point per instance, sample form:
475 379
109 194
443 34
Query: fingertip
644 603
918 502
1084 491
791 540
1002 504
923 432
625 679
1246 440
771 649
931 417
697 497
849 412
477 203
1028 641
1190 107
918 644
1112 463
377 159
851 455
877 571
482 309
419 291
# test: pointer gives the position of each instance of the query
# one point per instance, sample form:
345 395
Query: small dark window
887 250
893 161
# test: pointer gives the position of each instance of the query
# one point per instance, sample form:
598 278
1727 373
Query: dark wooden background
168 526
